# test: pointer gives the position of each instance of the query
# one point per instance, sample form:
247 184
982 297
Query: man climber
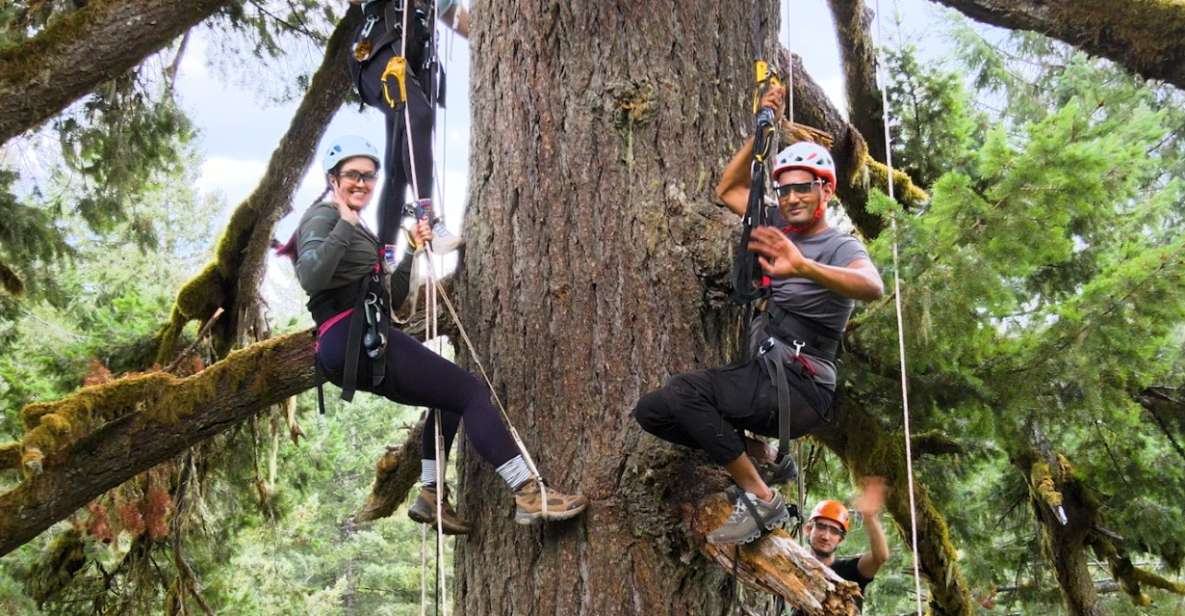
816 274
828 527
397 73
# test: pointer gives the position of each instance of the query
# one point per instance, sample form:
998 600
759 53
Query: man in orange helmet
828 526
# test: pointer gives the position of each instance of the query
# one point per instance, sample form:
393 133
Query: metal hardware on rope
913 521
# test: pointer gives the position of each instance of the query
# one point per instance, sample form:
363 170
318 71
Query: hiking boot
743 525
424 512
529 504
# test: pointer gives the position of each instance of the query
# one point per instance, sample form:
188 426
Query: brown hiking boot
529 504
424 512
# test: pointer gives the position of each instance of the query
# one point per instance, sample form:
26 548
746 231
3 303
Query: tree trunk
597 266
1066 513
1146 36
98 42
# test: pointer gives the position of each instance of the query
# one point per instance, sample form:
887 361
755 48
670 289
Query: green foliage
1042 290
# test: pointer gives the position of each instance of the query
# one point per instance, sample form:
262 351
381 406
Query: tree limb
774 564
857 172
853 28
1147 36
74 54
172 415
934 443
395 473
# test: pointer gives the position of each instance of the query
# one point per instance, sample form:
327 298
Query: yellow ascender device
396 67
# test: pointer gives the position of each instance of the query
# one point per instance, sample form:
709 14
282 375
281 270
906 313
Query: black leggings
706 409
397 165
418 377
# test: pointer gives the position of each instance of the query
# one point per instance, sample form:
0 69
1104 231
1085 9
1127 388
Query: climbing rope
801 500
913 517
435 287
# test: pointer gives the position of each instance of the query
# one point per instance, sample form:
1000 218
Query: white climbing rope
789 76
913 517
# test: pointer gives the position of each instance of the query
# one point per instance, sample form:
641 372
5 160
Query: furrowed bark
1147 36
74 54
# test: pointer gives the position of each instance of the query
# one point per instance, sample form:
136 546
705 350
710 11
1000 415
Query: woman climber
395 70
341 265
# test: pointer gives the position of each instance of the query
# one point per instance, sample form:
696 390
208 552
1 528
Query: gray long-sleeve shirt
332 253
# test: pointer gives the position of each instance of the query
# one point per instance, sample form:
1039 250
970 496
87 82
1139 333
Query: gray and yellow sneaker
424 512
751 517
528 504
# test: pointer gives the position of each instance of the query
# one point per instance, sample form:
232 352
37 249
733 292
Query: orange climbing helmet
831 510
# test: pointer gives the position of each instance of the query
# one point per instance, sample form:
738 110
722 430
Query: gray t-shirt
815 302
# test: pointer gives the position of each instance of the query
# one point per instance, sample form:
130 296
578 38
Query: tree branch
395 473
857 172
1147 37
172 415
933 443
96 43
853 21
774 564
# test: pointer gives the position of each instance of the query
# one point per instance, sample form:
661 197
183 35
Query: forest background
1045 322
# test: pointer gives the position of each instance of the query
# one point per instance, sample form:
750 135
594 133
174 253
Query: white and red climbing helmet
807 156
348 146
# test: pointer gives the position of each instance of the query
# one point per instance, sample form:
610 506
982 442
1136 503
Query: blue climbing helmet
348 146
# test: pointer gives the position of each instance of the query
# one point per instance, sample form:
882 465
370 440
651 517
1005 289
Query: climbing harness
913 523
365 305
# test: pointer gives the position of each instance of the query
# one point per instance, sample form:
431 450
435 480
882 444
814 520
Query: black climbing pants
708 409
400 151
418 377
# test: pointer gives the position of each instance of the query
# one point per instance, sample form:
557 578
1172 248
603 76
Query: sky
238 125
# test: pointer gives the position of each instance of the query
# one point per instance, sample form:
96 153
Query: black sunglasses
798 188
357 177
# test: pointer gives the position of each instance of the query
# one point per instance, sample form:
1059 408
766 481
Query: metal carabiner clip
370 21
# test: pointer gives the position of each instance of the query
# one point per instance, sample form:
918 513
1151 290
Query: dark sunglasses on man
798 188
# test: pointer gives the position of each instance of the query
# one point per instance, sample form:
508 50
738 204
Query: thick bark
1146 36
172 415
595 268
853 26
98 42
231 280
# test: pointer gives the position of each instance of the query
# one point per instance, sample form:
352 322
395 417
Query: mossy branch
83 49
869 450
933 443
1147 37
169 415
857 171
